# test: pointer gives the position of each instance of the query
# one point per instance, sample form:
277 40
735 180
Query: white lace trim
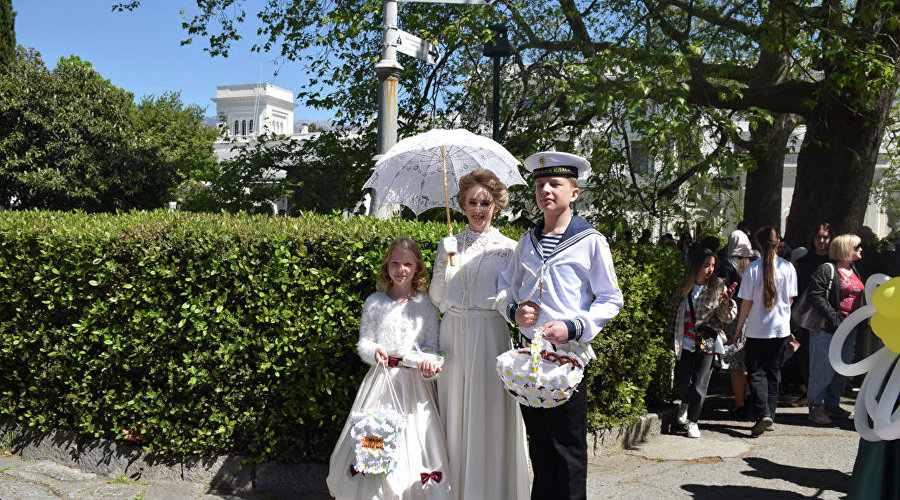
488 243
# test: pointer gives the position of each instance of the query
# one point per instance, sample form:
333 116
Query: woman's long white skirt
483 424
422 446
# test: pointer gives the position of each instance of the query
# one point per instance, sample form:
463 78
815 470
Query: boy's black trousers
557 445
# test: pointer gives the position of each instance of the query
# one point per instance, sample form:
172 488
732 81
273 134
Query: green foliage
591 77
633 367
553 95
174 134
198 333
7 33
329 171
250 180
69 139
324 173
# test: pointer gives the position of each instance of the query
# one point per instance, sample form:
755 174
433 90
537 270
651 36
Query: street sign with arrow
412 45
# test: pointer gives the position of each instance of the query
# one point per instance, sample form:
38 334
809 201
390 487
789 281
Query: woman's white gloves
449 245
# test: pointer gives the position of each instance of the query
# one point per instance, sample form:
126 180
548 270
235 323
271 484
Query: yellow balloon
886 298
888 330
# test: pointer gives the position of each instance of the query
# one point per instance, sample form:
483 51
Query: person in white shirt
768 287
560 279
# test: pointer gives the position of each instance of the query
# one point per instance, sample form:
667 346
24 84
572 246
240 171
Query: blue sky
140 51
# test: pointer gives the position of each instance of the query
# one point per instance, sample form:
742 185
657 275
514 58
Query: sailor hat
553 163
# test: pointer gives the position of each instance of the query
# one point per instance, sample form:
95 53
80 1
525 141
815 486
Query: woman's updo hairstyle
487 179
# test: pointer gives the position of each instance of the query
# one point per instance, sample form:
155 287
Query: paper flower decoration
374 435
875 417
539 378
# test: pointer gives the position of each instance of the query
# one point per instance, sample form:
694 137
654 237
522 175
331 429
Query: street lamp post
497 48
388 71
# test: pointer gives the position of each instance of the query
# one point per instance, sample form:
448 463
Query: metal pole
496 104
388 71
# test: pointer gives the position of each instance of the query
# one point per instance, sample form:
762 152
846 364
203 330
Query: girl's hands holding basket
381 357
428 369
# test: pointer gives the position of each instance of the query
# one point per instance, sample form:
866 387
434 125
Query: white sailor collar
577 230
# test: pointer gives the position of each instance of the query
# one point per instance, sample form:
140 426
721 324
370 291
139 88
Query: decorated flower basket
374 435
539 378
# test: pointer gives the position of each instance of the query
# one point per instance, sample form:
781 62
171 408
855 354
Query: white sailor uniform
574 283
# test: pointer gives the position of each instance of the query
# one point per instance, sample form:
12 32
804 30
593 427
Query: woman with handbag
700 307
835 291
768 287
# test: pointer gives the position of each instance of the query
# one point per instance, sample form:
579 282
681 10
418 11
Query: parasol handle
447 200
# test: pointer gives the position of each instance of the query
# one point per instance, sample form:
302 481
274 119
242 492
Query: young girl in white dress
394 320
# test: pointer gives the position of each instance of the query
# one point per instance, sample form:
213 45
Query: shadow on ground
704 492
825 479
816 479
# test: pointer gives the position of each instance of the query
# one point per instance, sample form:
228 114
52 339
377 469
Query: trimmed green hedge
202 334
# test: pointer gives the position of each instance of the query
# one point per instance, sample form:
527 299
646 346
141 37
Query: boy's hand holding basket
539 378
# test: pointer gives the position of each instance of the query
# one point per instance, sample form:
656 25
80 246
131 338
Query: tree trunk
767 145
836 164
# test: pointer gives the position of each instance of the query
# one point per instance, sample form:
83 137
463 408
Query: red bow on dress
354 472
436 476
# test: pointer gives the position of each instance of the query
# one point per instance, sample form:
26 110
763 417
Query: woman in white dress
484 428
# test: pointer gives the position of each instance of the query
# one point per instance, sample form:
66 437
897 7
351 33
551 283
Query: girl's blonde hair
743 262
767 239
843 247
419 281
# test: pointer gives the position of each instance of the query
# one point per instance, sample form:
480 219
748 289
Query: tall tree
69 139
842 86
576 61
176 135
7 33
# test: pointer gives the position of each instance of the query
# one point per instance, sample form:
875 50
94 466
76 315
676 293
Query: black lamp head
498 46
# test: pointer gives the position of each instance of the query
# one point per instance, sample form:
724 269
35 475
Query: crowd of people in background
763 349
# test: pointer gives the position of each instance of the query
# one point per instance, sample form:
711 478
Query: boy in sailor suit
561 278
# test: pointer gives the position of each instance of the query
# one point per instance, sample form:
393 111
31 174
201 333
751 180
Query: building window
640 159
251 127
235 127
244 127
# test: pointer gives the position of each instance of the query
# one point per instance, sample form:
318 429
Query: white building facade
255 108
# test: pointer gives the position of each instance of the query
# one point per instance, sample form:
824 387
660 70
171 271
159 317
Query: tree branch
669 190
711 16
579 30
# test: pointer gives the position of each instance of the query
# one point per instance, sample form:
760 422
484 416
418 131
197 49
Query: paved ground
796 460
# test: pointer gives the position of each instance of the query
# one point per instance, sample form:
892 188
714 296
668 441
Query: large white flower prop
875 418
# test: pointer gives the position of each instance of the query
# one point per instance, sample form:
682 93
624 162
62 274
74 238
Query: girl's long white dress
483 424
422 472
